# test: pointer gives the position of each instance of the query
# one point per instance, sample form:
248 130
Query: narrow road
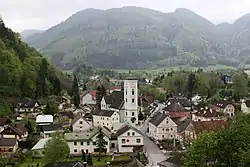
155 155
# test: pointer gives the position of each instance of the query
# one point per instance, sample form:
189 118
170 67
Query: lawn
103 161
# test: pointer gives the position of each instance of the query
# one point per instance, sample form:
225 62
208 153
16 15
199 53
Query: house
196 99
107 100
18 131
44 119
49 130
129 139
66 164
86 141
19 117
224 107
245 106
105 118
183 101
208 126
207 114
227 79
88 97
8 145
82 111
185 130
79 124
161 127
4 122
29 106
174 107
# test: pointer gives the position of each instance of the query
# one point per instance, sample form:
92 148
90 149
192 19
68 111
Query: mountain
134 37
24 71
28 33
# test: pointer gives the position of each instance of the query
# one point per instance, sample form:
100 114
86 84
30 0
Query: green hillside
133 37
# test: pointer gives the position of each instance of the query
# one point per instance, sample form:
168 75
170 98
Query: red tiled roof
208 126
179 114
91 92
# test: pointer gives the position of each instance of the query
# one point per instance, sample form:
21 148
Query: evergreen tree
100 93
100 142
89 160
84 87
83 156
75 91
191 84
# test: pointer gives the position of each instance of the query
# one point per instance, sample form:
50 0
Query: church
119 107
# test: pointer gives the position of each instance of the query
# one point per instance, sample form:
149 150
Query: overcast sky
42 14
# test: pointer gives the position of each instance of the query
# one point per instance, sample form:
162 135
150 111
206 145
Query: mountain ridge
135 37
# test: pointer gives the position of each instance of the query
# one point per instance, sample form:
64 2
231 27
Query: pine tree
83 156
100 93
100 142
75 91
89 160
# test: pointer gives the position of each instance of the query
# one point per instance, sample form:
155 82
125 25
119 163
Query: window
97 122
163 136
113 119
94 143
81 143
75 150
232 114
107 124
171 136
75 143
123 141
116 118
133 100
133 113
167 122
126 100
103 123
106 143
133 91
126 113
80 127
88 143
162 129
138 140
128 134
171 129
107 119
133 133
167 129
126 91
80 122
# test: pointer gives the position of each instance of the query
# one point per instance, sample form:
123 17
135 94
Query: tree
84 87
239 86
191 84
3 161
52 106
83 156
29 124
140 116
75 91
100 142
56 149
5 110
100 93
89 160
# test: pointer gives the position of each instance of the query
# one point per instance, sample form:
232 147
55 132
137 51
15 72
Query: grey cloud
42 14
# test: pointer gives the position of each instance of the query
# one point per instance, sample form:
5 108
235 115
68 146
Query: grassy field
104 159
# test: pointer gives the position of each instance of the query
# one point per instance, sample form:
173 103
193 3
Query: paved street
155 155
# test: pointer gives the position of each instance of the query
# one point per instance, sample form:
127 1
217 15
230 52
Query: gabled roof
179 114
247 102
125 128
8 141
68 114
52 127
158 118
44 118
108 99
207 112
77 118
222 103
105 113
41 144
202 126
175 107
91 92
14 129
185 102
27 104
182 124
65 164
117 99
4 121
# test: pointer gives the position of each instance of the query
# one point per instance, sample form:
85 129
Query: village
130 123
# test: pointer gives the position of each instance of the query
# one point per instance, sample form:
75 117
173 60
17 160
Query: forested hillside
24 72
133 37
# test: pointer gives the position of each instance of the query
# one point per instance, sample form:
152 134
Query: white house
245 106
80 124
105 118
88 97
161 127
27 106
224 107
44 119
86 141
129 138
107 101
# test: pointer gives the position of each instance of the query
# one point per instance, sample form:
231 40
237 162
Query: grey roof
175 107
85 135
4 121
117 99
157 118
135 163
247 102
52 127
108 99
105 113
185 102
182 124
27 104
77 118
125 128
8 141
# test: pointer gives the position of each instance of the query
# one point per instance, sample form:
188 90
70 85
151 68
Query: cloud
42 14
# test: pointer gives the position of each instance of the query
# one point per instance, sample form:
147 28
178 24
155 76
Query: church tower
131 101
